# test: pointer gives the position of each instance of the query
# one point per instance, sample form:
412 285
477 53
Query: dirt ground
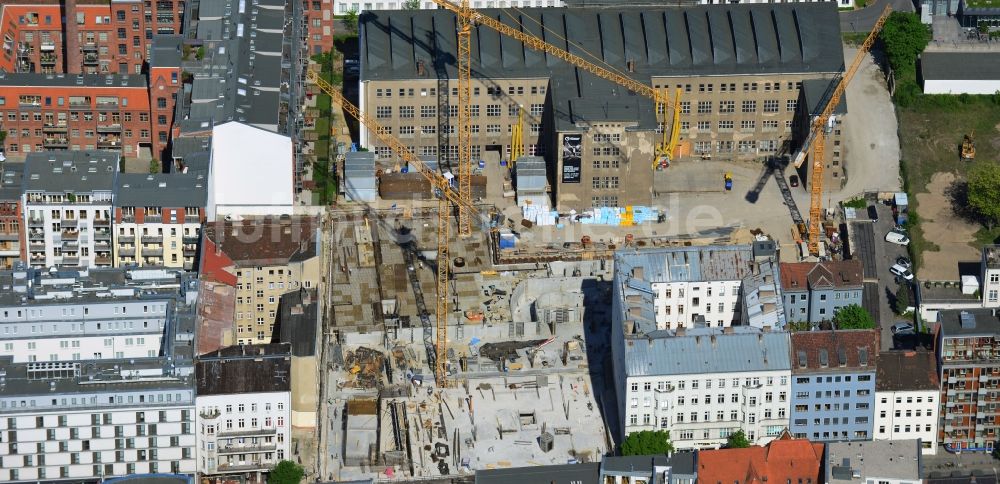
942 227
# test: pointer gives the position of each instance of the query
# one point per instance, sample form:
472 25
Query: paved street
877 257
864 19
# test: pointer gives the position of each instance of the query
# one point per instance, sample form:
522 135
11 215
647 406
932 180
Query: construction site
522 358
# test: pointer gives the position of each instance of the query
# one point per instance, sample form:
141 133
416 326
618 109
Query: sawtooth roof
665 41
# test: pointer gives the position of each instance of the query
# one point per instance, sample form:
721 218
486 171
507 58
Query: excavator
969 147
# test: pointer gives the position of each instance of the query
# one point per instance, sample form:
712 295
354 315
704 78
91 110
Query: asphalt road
863 20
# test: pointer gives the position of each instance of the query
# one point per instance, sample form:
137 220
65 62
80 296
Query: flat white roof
251 168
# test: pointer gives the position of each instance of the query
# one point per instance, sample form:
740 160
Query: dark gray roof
562 474
166 51
680 463
11 181
977 66
152 479
71 171
665 41
67 80
906 371
817 91
298 320
172 190
244 369
979 322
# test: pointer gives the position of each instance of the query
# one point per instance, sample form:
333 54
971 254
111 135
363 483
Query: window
770 105
704 107
492 110
791 104
749 106
727 107
428 111
383 112
406 111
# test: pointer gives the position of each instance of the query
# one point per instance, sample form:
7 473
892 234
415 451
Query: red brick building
164 83
99 36
75 112
319 18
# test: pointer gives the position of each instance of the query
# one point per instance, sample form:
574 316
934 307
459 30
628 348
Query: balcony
102 246
110 128
153 219
48 46
108 142
246 448
36 222
107 105
55 142
244 467
102 261
38 261
36 235
209 414
89 47
190 251
246 433
191 239
90 59
102 235
48 59
54 128
70 260
152 238
9 236
152 252
102 222
70 235
126 251
36 247
69 222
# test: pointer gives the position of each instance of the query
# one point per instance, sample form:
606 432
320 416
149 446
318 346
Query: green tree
351 21
286 472
983 27
984 192
647 442
796 326
200 53
411 5
902 298
737 440
904 37
853 317
154 166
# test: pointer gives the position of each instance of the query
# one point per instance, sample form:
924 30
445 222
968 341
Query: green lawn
931 131
982 3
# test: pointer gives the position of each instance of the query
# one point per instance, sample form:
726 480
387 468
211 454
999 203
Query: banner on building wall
571 151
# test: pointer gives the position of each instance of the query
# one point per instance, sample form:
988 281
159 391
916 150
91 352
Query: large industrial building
740 69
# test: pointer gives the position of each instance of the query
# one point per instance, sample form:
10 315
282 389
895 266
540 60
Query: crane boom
442 189
816 139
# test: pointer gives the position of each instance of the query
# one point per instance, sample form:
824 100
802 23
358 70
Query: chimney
680 330
421 70
631 65
71 38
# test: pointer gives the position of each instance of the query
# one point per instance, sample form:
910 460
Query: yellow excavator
968 147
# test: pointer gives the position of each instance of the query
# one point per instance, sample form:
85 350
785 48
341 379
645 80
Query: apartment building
263 258
740 91
906 398
833 384
12 236
892 462
60 112
814 291
319 18
940 296
244 409
164 84
967 344
67 202
95 377
157 219
99 37
784 459
344 6
704 384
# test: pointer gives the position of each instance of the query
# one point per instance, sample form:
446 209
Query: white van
897 237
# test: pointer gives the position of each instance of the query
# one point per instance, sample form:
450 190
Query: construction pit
521 356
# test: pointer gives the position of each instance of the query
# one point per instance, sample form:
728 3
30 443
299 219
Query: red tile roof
855 346
803 275
782 461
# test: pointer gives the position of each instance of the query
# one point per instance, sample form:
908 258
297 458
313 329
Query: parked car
902 328
904 261
897 237
898 270
873 213
793 180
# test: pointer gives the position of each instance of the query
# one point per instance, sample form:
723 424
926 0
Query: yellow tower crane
444 193
816 139
517 137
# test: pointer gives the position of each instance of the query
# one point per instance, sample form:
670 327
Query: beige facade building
741 70
263 259
158 218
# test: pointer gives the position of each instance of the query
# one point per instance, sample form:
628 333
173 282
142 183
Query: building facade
969 401
157 219
67 203
74 112
12 236
833 384
906 398
99 37
95 376
814 291
244 409
263 259
598 138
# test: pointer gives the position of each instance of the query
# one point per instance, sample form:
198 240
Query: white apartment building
95 397
244 409
906 398
704 385
67 207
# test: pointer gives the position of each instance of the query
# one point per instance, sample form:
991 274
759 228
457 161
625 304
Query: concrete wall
847 398
305 391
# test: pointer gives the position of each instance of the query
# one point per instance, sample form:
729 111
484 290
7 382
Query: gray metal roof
557 474
665 41
976 66
679 462
720 353
817 91
11 181
166 51
174 190
894 460
687 264
978 322
69 80
71 171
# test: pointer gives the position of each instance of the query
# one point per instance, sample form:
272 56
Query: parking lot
877 256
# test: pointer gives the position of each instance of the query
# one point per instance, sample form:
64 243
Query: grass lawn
931 131
982 3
